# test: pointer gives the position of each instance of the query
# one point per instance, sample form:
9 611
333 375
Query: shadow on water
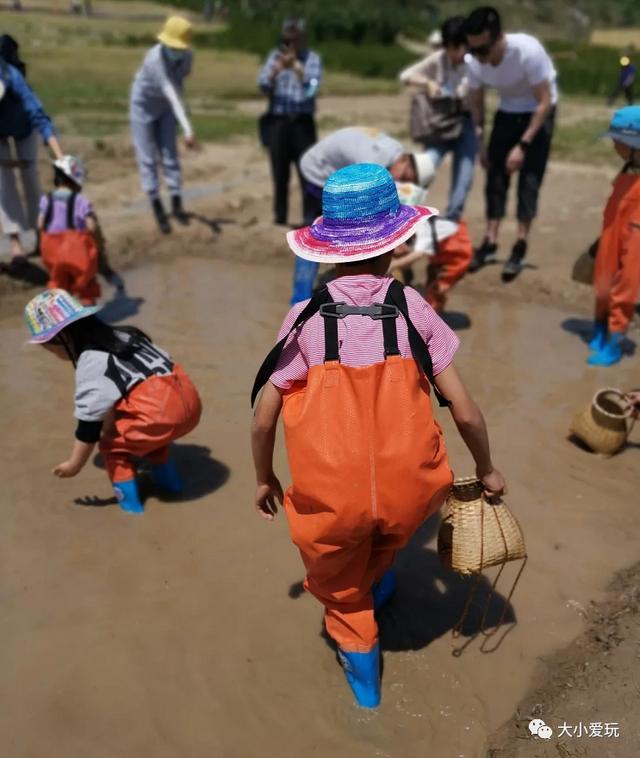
201 474
583 328
430 601
26 271
120 307
214 224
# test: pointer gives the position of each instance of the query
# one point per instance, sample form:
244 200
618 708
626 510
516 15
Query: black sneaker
160 215
514 265
178 212
484 254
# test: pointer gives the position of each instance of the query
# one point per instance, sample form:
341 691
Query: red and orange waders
71 257
368 466
447 266
155 412
617 268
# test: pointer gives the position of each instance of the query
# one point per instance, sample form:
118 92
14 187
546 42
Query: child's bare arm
263 436
472 428
79 456
40 222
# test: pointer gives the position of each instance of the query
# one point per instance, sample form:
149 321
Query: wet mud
184 631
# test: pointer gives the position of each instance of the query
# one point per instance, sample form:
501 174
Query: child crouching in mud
130 396
351 375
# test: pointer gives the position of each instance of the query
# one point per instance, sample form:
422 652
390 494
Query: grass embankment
82 70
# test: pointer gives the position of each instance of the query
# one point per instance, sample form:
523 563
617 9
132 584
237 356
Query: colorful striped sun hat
49 312
361 218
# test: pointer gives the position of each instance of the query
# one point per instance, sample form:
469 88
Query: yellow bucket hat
176 33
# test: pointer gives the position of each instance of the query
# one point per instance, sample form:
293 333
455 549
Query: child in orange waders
447 266
351 374
130 396
617 268
67 228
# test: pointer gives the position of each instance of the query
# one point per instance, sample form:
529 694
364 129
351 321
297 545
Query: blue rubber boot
599 339
304 276
128 498
166 476
363 674
384 590
610 353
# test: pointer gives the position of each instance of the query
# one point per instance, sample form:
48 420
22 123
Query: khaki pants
19 214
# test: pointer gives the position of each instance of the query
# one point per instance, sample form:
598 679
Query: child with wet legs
351 376
617 268
130 397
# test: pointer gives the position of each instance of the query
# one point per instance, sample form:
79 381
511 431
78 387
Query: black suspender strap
418 347
269 364
331 347
48 215
71 209
434 235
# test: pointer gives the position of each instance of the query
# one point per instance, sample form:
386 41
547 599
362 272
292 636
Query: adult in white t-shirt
520 69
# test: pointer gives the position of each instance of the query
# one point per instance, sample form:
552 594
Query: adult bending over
155 109
353 144
22 118
442 75
519 67
290 78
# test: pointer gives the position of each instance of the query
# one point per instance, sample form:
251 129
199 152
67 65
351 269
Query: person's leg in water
305 272
145 147
504 135
464 151
167 136
529 183
12 217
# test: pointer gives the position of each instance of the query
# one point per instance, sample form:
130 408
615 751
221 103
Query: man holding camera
290 78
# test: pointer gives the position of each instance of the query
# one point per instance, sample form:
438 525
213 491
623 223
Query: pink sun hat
361 218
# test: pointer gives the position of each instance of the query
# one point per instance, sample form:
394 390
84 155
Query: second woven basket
604 425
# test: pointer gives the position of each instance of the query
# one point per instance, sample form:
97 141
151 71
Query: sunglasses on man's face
481 51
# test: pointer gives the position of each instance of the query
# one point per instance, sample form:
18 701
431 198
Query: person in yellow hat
156 107
626 80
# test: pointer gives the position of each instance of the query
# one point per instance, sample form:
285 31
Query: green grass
579 143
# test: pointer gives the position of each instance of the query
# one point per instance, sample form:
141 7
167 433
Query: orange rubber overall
368 466
617 269
71 258
156 412
448 266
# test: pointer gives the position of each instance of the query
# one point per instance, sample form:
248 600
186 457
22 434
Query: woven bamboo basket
476 534
604 425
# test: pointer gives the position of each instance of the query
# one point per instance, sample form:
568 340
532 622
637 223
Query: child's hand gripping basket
605 424
475 535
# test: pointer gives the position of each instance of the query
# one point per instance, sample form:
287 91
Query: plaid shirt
289 94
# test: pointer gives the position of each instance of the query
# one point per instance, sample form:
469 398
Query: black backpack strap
419 350
385 312
320 296
71 210
48 214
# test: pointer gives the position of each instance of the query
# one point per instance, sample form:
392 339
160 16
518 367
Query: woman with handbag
440 115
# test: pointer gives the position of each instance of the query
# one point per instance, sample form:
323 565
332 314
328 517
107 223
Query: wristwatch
524 145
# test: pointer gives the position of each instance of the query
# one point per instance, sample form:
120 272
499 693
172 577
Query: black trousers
291 136
507 131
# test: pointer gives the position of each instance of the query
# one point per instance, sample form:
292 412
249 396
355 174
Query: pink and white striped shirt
360 337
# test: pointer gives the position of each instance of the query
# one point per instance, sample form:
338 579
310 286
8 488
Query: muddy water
183 632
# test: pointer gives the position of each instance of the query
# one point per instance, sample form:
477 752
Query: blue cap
625 126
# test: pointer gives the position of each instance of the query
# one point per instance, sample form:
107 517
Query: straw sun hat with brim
361 218
51 311
176 33
625 126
